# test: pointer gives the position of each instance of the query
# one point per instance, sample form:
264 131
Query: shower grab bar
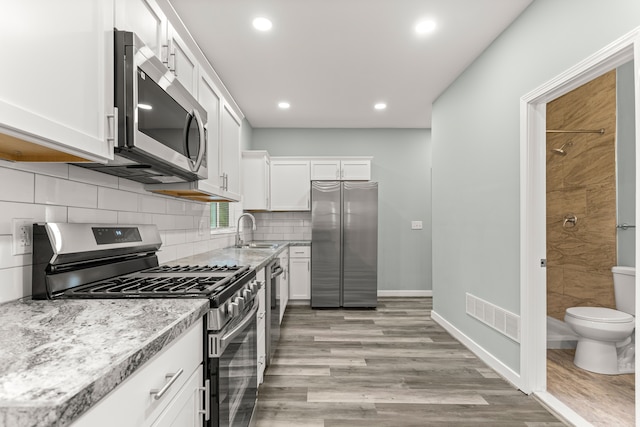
600 131
625 226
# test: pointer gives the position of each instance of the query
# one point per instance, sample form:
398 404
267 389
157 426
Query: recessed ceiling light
283 105
380 106
426 26
145 106
262 24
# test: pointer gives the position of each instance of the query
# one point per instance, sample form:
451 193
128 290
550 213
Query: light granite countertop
59 358
255 257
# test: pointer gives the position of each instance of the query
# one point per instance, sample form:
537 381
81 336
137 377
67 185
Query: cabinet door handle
157 394
308 266
207 401
112 127
164 54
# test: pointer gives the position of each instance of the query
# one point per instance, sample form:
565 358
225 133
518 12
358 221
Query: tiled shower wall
282 226
583 183
66 193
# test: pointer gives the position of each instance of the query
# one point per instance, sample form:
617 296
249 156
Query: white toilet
605 343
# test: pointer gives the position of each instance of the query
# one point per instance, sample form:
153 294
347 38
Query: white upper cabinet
144 18
355 169
230 153
56 95
147 20
210 100
290 185
256 166
181 62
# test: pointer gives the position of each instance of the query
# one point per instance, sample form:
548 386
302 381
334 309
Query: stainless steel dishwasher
273 273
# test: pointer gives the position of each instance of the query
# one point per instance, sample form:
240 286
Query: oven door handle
231 335
277 272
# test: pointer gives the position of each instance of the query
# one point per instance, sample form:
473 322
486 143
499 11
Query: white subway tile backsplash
39 213
166 254
15 283
135 218
7 259
176 207
18 186
59 170
133 186
184 250
88 176
117 200
164 222
175 237
152 204
97 216
183 221
55 191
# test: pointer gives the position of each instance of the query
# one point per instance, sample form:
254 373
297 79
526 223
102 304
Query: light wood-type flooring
392 366
603 400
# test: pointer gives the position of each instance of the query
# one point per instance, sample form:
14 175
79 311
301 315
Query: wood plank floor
603 400
391 367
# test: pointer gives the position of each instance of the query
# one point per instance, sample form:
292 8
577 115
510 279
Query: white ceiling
332 60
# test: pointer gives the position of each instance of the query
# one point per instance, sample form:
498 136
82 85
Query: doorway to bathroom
587 142
547 248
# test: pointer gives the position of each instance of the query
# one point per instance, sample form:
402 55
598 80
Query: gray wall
626 164
401 164
475 137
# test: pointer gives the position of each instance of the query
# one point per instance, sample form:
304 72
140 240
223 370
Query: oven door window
237 379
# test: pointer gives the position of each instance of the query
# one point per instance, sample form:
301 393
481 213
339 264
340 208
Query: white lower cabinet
262 313
300 272
177 369
185 410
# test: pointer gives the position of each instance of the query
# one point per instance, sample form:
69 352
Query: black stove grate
195 269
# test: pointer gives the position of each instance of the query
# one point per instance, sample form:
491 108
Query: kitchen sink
260 245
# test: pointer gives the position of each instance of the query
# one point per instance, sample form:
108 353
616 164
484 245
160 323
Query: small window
220 215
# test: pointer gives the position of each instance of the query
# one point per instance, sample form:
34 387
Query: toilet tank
624 285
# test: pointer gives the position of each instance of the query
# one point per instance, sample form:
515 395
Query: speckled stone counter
58 358
255 257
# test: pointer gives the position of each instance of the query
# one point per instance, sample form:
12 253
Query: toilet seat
599 314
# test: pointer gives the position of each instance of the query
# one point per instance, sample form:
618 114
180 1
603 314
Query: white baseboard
382 293
495 364
561 410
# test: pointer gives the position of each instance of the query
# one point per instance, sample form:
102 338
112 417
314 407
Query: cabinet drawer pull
157 394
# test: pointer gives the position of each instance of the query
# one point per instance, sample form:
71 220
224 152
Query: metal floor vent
499 319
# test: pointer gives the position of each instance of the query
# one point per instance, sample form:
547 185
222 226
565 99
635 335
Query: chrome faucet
253 227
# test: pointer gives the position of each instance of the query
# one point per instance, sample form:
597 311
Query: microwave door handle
195 166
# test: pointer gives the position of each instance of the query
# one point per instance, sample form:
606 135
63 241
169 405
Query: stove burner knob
247 294
230 309
254 287
240 302
235 309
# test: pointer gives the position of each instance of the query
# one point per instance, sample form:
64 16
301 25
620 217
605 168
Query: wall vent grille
498 318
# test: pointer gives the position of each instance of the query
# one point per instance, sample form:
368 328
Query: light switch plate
416 225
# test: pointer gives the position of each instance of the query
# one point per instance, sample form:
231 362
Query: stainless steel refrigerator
344 244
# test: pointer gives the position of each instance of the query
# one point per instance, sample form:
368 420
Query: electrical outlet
416 225
22 236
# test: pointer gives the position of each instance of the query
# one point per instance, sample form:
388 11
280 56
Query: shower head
560 151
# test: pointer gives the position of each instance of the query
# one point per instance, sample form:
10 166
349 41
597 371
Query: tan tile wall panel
583 183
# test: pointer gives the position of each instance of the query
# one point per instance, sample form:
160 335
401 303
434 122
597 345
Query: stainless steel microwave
161 135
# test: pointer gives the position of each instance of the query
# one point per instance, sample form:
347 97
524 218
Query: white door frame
533 298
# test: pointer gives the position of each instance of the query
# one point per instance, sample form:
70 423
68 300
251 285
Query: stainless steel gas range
109 261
